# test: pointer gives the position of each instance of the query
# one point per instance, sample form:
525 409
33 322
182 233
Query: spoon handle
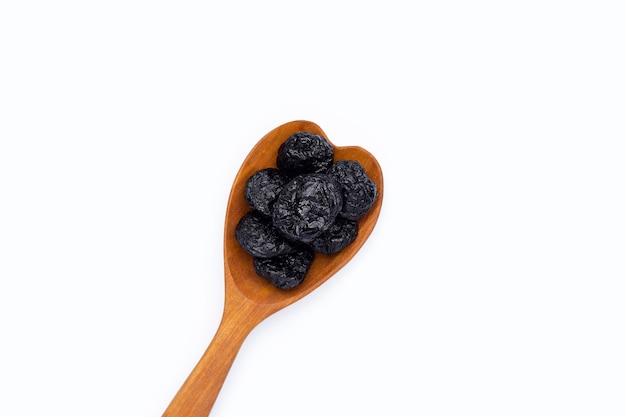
198 393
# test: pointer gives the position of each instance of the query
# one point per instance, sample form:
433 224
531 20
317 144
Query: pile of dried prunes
309 204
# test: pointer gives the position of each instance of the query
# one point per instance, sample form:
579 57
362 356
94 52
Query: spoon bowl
249 299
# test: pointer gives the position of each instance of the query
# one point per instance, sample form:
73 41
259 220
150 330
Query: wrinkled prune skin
257 236
305 153
339 235
285 271
307 206
262 189
359 190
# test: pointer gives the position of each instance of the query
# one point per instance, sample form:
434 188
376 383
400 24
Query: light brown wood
250 299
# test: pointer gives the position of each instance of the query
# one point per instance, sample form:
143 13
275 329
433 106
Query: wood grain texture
250 299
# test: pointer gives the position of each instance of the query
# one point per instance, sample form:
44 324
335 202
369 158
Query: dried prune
304 153
307 206
339 235
262 189
257 236
359 191
285 271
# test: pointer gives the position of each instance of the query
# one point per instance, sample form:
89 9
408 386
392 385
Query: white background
493 285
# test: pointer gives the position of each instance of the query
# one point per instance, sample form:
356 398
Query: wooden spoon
250 299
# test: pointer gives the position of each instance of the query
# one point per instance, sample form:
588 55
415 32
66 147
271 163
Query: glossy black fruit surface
285 271
307 206
262 189
257 236
359 191
305 153
309 203
339 235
